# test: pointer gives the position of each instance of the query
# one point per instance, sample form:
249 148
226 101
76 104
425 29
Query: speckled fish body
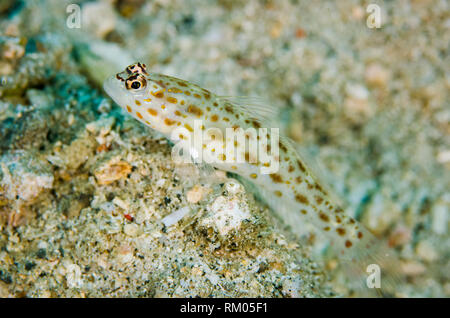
165 103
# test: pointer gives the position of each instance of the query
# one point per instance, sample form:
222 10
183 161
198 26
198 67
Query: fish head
145 96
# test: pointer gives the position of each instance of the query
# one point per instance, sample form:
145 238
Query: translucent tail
372 269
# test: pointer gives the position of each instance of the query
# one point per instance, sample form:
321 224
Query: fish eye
136 82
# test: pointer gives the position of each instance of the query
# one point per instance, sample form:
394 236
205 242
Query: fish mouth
115 89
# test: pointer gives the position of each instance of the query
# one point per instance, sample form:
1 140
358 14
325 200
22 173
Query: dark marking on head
137 68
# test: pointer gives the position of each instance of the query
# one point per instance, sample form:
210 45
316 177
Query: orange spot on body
195 110
158 94
152 112
169 122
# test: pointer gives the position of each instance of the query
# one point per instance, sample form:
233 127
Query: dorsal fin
313 166
253 107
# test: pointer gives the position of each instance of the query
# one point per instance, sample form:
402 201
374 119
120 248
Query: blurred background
365 95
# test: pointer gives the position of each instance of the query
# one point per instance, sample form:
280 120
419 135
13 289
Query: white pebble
73 276
227 215
131 229
233 187
176 216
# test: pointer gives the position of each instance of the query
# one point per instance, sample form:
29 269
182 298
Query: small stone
160 182
413 268
358 13
357 91
356 104
400 236
78 152
12 50
196 271
426 251
440 218
233 187
125 254
99 17
196 194
376 75
226 215
176 216
112 171
24 176
73 276
291 288
131 230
